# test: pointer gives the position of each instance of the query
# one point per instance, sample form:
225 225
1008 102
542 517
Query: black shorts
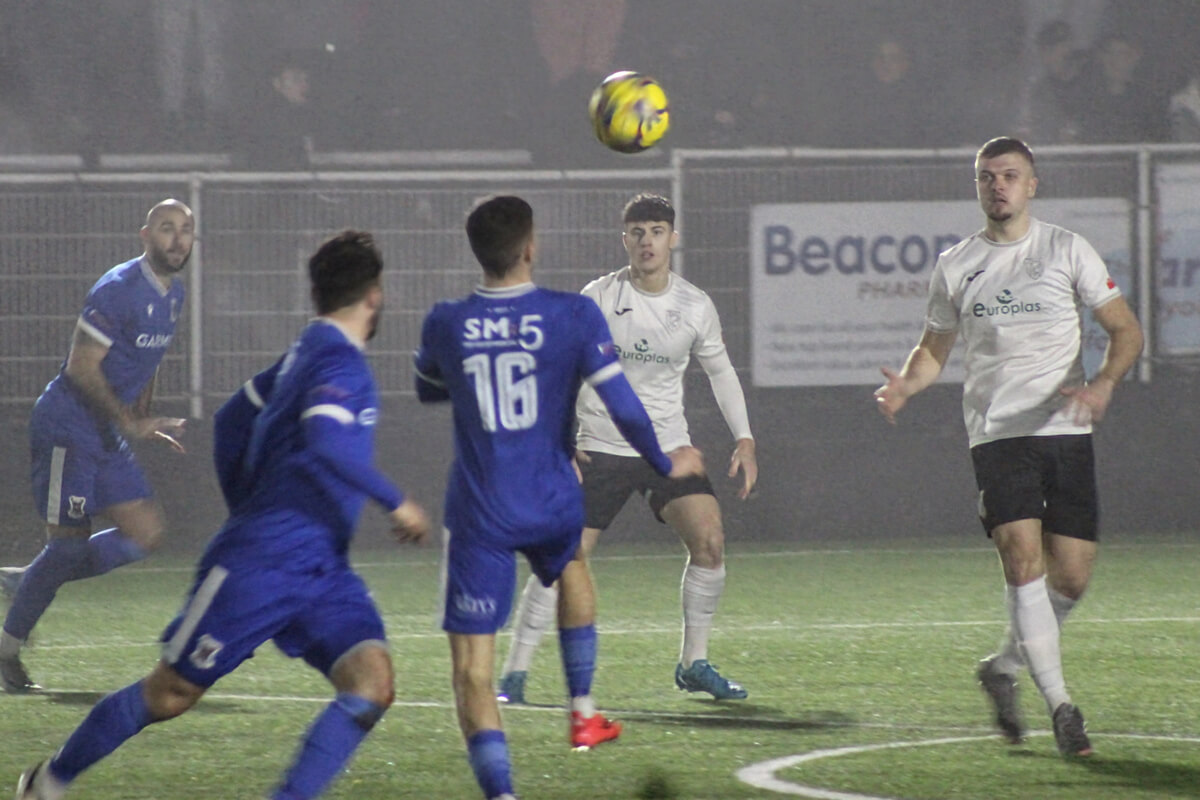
609 480
1051 478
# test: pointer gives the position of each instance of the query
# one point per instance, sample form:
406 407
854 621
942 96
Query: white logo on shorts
474 606
76 510
205 654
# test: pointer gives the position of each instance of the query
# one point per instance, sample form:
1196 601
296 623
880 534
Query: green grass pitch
859 659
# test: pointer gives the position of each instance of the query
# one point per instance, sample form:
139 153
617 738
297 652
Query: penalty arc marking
762 774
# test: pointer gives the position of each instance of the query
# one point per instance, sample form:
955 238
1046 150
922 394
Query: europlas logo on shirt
642 353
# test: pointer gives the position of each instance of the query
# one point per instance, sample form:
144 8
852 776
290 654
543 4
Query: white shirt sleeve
941 313
1092 280
714 359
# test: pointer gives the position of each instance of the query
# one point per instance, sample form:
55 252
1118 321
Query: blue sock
61 560
331 740
578 648
488 753
114 720
111 549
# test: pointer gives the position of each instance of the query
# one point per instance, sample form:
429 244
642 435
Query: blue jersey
306 468
232 426
512 361
128 311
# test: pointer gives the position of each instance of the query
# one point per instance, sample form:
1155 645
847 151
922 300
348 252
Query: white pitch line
762 774
729 627
673 556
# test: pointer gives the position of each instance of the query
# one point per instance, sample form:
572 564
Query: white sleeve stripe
430 379
94 332
604 373
329 410
252 394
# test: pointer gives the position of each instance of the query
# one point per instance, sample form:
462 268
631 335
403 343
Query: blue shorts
76 473
230 612
481 576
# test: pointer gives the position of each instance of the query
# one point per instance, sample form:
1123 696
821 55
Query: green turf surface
860 657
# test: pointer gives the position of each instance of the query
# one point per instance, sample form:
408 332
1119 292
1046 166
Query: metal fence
59 232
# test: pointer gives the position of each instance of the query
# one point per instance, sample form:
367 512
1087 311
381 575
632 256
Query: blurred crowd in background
269 82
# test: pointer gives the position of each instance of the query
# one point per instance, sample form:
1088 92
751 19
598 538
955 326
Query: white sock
700 591
1009 659
535 613
584 705
1037 629
47 786
10 646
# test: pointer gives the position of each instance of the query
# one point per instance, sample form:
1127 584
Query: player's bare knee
475 678
365 671
707 551
168 694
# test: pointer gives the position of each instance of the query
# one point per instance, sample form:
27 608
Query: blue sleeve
332 442
339 418
428 376
632 421
232 427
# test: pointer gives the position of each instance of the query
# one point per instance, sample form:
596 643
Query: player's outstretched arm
922 368
629 415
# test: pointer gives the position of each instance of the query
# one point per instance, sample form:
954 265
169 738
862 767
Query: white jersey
1018 308
656 335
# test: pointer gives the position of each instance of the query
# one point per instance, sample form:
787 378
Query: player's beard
160 261
994 212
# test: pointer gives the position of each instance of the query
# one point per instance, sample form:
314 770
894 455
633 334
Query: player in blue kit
82 423
296 482
511 357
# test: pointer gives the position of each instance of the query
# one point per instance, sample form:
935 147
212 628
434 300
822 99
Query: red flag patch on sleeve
1111 283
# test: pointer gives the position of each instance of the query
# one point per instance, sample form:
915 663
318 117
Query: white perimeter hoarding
1178 276
838 290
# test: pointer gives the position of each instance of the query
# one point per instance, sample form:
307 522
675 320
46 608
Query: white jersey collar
505 291
149 274
643 292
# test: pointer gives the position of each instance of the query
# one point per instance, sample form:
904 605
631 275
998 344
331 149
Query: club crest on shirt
1033 267
674 319
204 656
174 310
76 510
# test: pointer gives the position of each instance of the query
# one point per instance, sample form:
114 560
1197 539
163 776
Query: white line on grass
644 630
762 774
676 556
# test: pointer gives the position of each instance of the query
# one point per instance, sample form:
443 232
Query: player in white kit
659 321
1015 292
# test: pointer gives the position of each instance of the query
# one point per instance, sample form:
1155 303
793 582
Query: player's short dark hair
647 207
498 228
1002 145
343 269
